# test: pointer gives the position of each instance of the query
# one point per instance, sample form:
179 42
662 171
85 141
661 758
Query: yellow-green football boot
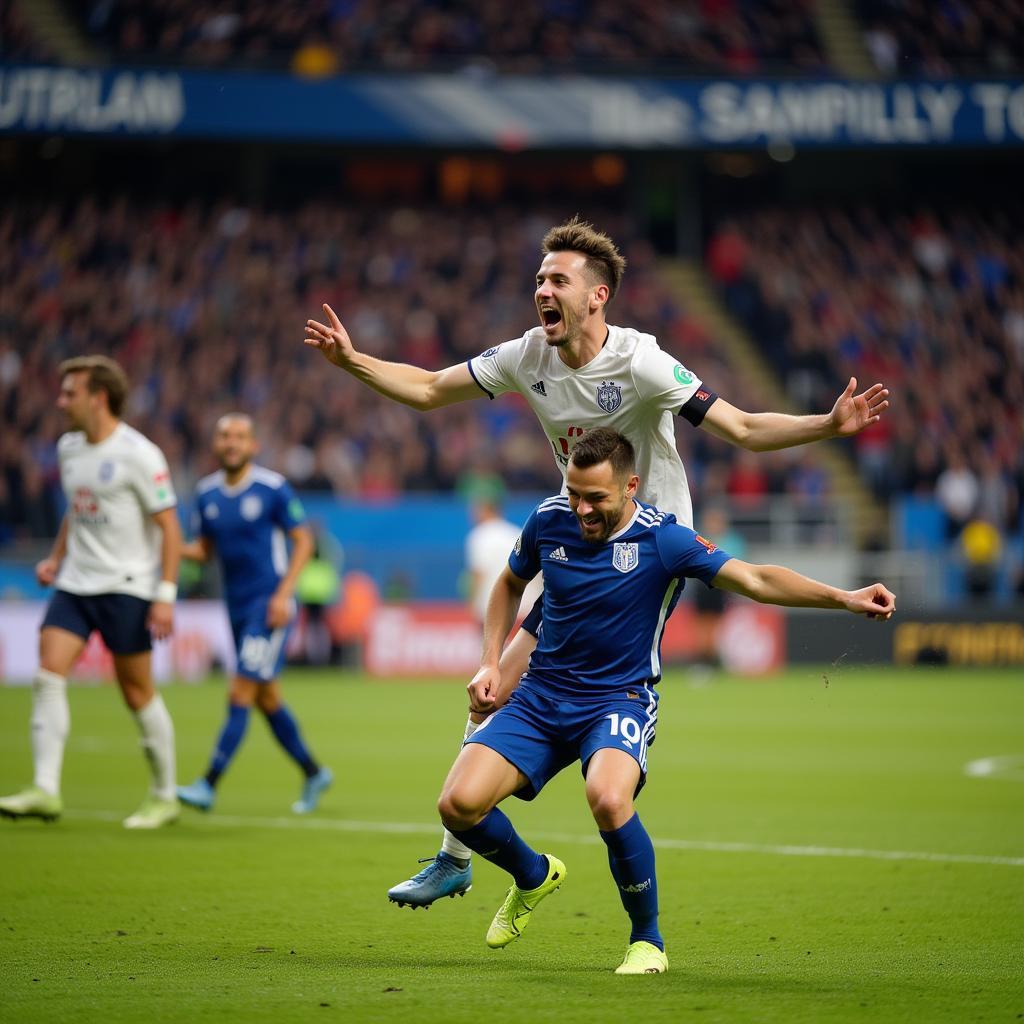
31 803
514 914
643 958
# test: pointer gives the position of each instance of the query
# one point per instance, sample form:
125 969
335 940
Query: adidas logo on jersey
559 555
539 388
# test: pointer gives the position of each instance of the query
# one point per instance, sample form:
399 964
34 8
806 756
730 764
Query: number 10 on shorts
626 727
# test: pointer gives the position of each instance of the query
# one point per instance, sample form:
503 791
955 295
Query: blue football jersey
248 524
605 605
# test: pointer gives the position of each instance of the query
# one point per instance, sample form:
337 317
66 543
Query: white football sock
449 844
50 722
158 744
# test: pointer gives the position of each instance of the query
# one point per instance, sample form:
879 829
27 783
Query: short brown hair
104 375
604 261
604 444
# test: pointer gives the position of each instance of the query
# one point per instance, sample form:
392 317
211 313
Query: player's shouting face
567 295
603 502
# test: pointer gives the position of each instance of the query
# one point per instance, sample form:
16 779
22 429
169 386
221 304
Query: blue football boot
199 795
312 789
443 876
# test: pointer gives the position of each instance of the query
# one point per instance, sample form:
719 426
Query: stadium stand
930 302
205 306
736 37
913 38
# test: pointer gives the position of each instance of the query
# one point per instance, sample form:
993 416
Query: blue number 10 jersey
605 605
248 524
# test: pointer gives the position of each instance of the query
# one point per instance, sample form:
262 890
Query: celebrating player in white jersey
577 372
114 564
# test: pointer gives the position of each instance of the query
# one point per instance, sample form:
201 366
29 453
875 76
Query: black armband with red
696 408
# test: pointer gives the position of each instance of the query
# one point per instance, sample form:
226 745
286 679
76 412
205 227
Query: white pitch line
1008 767
699 845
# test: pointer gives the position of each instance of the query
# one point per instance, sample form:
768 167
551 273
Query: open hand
852 413
333 341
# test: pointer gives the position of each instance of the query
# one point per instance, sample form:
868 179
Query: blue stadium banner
510 112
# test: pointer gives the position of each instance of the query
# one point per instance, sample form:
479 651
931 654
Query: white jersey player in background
114 564
576 371
487 548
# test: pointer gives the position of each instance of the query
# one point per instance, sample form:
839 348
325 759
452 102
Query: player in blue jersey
244 513
613 571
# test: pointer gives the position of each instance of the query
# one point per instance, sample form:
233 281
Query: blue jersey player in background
613 571
246 515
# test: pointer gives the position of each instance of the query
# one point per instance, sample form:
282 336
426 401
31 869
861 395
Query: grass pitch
822 856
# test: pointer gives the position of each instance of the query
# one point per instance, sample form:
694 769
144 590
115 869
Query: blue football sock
227 742
496 840
631 858
286 731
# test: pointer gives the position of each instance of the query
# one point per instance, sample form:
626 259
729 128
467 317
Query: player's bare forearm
770 431
196 550
502 608
411 385
60 543
775 584
170 544
302 551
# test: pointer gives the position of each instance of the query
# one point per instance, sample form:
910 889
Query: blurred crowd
908 38
205 306
323 36
925 38
17 41
931 303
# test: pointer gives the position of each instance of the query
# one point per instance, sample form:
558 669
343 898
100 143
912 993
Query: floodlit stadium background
805 192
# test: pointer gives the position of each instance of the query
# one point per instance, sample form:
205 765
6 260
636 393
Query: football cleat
514 914
312 789
643 958
154 812
199 795
443 876
31 803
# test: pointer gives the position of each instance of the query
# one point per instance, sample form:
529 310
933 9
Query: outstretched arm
410 385
768 431
774 584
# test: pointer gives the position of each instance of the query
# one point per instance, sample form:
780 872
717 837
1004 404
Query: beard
603 524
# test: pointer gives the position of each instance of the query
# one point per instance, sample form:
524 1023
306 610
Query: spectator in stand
930 302
742 37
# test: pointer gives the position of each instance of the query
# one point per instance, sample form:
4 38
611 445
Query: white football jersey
488 546
632 385
113 489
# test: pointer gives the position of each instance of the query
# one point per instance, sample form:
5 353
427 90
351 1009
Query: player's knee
268 701
459 809
611 808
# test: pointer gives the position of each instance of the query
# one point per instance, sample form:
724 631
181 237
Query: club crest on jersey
625 557
251 507
106 471
609 396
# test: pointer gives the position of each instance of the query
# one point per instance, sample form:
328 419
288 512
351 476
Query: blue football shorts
119 618
259 650
542 733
